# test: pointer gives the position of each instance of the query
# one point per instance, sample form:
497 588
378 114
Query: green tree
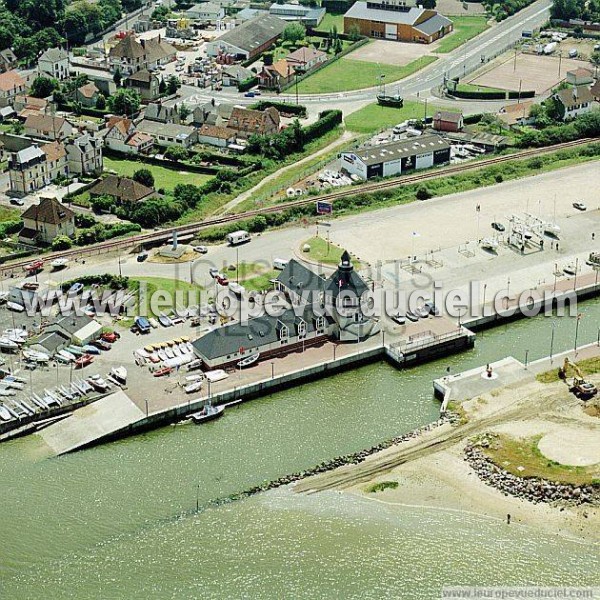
354 33
117 77
162 86
184 112
124 102
101 204
175 152
17 127
337 46
294 33
101 102
145 177
595 60
62 242
429 4
42 87
173 84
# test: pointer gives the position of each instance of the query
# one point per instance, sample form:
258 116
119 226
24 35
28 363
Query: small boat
164 320
4 414
119 373
83 361
184 338
216 375
15 307
98 383
7 344
176 350
195 364
154 358
570 269
66 355
169 352
192 387
163 371
59 263
249 360
193 377
208 413
162 355
89 349
395 101
411 316
75 350
35 356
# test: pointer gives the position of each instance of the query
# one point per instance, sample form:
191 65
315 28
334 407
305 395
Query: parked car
411 316
422 312
222 280
498 226
200 249
142 256
432 308
213 272
250 94
17 201
579 206
75 289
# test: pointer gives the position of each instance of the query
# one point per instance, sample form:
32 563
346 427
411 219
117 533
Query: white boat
249 360
35 356
7 344
169 352
570 269
15 307
98 383
216 375
67 355
489 244
195 364
4 414
176 350
119 373
208 413
59 263
195 386
161 354
193 377
17 333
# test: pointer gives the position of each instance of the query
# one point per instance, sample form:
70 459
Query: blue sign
324 208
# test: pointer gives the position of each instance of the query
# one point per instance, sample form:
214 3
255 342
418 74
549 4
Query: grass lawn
326 253
470 87
246 270
465 28
163 178
260 283
329 21
9 214
172 288
511 453
373 117
346 74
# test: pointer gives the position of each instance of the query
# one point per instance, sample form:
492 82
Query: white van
238 237
280 264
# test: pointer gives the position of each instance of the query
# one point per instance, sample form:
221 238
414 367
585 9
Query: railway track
184 230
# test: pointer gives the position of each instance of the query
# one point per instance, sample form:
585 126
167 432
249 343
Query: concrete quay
123 414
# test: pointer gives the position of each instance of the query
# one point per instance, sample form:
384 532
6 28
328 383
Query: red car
34 267
111 337
83 361
222 281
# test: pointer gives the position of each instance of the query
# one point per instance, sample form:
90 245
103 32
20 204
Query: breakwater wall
531 489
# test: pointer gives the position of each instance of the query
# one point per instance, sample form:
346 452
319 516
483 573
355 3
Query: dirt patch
455 7
391 53
532 72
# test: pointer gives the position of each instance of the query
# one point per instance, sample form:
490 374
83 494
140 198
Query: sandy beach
431 471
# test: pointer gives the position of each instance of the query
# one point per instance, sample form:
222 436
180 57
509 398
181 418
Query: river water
119 520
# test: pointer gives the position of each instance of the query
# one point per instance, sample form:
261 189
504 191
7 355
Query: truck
237 237
550 48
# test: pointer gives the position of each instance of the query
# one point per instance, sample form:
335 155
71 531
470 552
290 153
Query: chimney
143 43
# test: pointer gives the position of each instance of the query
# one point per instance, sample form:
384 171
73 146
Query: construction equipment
580 387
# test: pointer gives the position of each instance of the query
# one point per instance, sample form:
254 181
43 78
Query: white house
121 135
207 12
84 155
575 101
54 63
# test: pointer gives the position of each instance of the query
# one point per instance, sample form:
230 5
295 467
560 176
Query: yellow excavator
580 387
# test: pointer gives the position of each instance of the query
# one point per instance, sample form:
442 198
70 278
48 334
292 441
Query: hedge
245 85
473 95
9 227
167 164
283 107
328 120
521 95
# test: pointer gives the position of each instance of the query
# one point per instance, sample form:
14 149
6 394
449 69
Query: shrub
62 242
423 193
145 177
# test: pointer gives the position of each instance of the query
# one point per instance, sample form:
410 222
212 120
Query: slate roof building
319 308
575 101
54 62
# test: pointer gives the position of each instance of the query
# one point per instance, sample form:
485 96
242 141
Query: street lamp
577 331
552 341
